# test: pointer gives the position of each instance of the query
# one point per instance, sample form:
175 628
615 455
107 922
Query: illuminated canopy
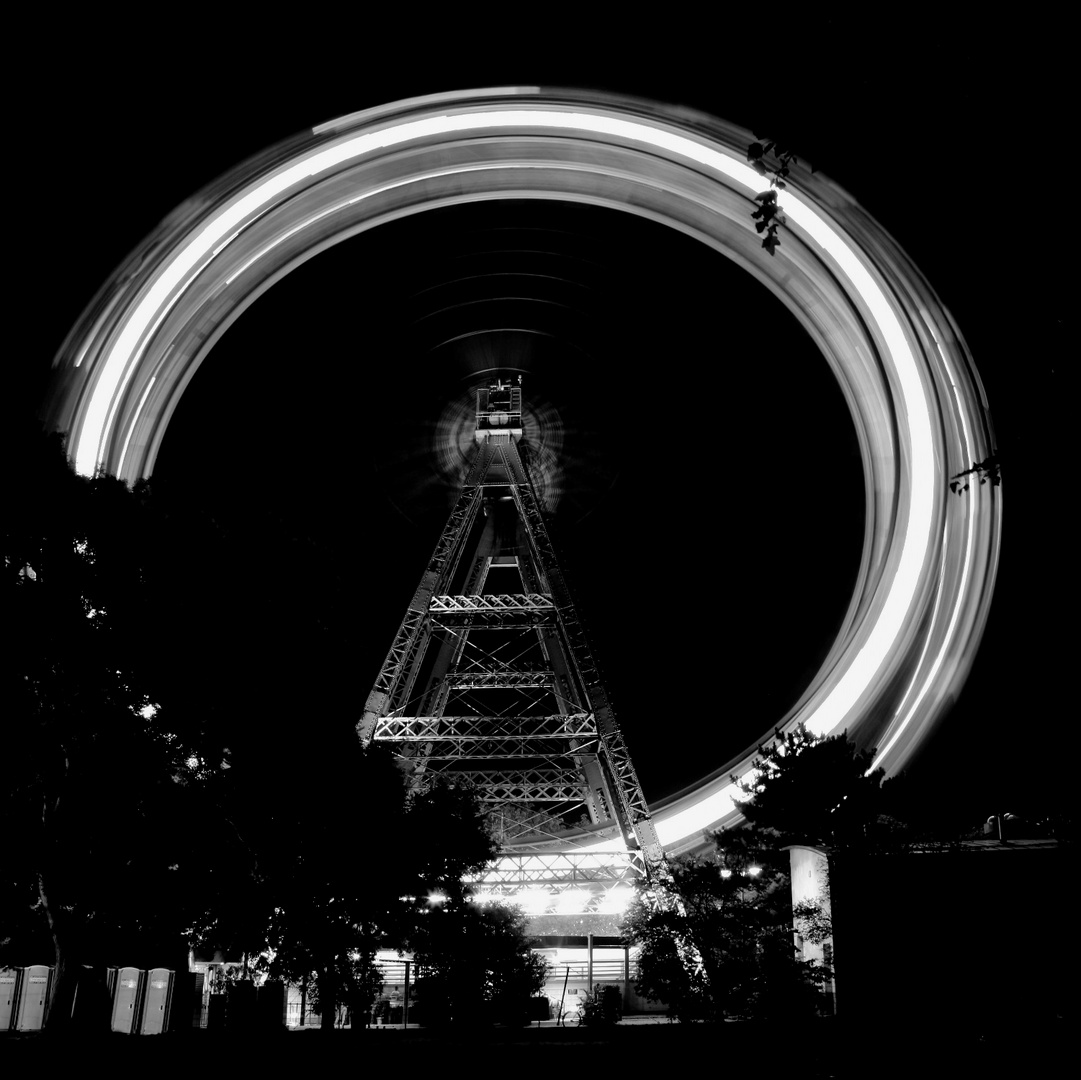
929 559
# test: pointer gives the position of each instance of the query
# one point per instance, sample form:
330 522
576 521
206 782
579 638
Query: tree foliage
181 766
807 790
768 217
474 961
322 892
988 470
101 800
722 946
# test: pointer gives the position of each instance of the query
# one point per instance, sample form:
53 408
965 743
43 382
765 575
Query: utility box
9 994
33 997
127 999
157 998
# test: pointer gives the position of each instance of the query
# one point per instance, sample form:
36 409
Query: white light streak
473 114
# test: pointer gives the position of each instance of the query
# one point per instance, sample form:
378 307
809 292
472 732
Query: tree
101 784
809 790
320 863
350 870
725 944
768 217
167 786
988 469
474 961
159 790
722 945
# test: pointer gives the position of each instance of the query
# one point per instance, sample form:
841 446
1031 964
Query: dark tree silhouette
474 962
101 799
987 470
768 217
809 790
722 947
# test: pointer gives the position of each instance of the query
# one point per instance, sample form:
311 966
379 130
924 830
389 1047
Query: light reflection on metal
564 882
541 431
929 561
478 728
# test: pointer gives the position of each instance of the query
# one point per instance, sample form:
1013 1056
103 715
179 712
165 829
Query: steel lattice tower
490 679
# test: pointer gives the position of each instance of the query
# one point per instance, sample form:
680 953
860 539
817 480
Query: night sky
712 563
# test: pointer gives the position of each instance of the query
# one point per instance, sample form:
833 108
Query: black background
735 541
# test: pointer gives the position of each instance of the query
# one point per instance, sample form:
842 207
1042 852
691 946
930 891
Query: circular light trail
929 560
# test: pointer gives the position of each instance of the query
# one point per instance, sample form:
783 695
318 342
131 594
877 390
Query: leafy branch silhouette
768 217
988 469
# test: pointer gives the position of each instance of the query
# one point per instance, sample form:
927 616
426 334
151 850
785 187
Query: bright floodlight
436 898
534 901
616 900
572 900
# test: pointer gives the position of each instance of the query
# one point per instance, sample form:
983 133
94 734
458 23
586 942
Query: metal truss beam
513 602
540 785
562 869
465 728
633 813
394 681
500 680
508 610
505 750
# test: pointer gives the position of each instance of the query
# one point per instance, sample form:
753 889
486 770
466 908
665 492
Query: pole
563 996
405 998
626 978
589 965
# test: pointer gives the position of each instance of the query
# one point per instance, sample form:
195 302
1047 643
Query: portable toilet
33 997
157 999
9 992
127 990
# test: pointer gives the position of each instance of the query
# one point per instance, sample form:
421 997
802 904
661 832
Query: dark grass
899 1046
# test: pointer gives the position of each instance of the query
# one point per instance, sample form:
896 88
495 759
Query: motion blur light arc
929 559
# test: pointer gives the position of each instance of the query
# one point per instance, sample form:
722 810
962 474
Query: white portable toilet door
159 987
9 982
125 999
33 998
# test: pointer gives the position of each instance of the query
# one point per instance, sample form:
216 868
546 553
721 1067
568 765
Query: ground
820 1049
